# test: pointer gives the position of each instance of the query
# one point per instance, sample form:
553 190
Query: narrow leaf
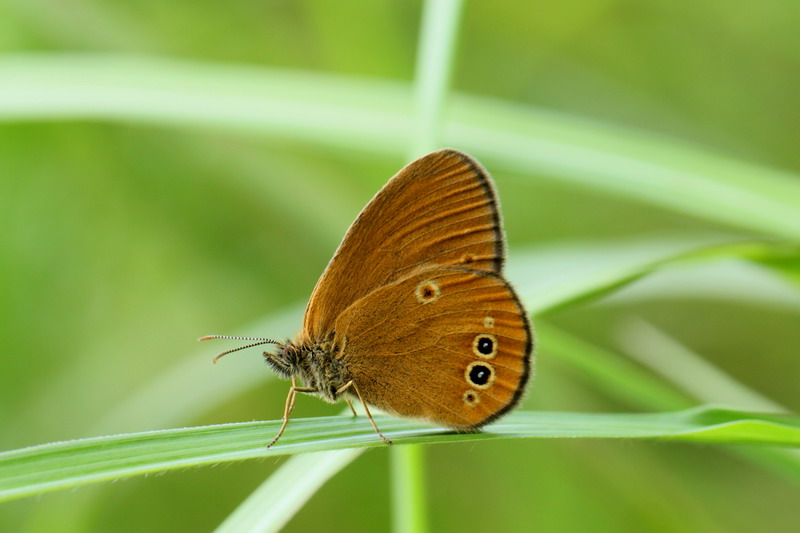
374 116
67 464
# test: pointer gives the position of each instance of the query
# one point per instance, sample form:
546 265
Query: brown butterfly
412 314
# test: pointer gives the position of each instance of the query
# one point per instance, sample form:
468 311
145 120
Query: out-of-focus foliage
121 241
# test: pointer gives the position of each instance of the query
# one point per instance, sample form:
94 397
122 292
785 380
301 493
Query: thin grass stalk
435 52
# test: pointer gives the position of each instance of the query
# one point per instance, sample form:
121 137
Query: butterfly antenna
226 352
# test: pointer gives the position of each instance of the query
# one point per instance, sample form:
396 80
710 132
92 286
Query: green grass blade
619 378
439 28
695 375
285 492
553 278
728 280
376 116
409 490
686 369
616 376
313 107
438 32
67 464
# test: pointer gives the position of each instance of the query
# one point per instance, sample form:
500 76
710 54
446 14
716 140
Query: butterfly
412 314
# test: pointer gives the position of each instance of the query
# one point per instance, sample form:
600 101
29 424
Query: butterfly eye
485 345
471 398
480 374
427 292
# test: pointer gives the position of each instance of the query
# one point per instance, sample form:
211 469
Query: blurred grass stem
435 53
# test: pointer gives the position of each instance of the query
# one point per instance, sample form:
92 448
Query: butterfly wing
439 210
449 345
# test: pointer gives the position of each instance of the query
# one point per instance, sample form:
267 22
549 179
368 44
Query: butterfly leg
366 409
353 409
287 410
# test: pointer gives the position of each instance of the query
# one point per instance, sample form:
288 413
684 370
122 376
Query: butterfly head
286 360
313 363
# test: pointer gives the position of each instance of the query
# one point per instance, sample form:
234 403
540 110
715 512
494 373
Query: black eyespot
427 292
480 374
485 345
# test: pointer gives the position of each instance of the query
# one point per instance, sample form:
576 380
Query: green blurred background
122 242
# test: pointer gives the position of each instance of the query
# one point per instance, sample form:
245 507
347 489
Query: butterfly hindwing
449 345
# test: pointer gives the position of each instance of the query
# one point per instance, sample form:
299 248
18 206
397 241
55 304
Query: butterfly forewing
455 342
440 210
